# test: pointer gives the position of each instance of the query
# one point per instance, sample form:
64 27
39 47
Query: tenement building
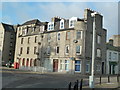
7 43
112 58
64 46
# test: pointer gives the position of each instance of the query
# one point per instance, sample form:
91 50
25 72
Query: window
77 66
28 50
98 39
23 62
67 35
33 29
62 24
58 36
35 62
61 64
48 37
87 68
51 26
48 50
28 40
98 68
36 39
98 53
57 49
11 36
21 50
78 49
11 44
66 65
22 40
109 55
79 35
114 56
35 49
67 49
71 23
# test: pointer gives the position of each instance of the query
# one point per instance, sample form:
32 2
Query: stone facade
7 43
65 45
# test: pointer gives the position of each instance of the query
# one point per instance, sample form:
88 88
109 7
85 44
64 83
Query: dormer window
51 26
72 22
62 24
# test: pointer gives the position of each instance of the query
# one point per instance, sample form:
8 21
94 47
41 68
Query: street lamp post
91 78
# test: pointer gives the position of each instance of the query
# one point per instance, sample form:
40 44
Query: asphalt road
12 78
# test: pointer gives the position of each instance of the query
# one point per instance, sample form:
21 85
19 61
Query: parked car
9 64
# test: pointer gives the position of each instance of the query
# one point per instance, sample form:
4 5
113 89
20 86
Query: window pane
77 67
77 49
78 34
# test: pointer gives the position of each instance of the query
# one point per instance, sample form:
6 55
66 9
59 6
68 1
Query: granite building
63 45
7 43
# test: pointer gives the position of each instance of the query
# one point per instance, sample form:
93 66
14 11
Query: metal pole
91 78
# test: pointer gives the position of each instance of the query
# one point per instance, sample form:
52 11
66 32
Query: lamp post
91 78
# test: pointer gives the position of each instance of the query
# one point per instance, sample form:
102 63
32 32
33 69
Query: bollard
69 88
117 78
81 84
75 86
108 79
100 79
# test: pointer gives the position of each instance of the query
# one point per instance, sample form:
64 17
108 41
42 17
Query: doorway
102 67
55 65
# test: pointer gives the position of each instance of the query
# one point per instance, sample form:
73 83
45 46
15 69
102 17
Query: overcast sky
19 12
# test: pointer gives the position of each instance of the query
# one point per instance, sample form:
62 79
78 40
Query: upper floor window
114 56
33 29
72 22
79 35
28 49
51 26
35 50
98 53
68 35
58 36
57 49
78 49
98 39
21 50
36 38
22 40
28 40
67 49
62 24
48 50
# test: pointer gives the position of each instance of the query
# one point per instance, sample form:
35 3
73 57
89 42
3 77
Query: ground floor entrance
55 65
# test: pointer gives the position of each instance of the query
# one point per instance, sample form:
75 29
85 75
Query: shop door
55 65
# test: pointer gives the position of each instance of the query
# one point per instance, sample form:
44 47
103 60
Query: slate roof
34 21
8 27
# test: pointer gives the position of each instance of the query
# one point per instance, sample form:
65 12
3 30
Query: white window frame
73 19
98 52
98 39
80 50
50 26
61 65
80 35
62 26
67 64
